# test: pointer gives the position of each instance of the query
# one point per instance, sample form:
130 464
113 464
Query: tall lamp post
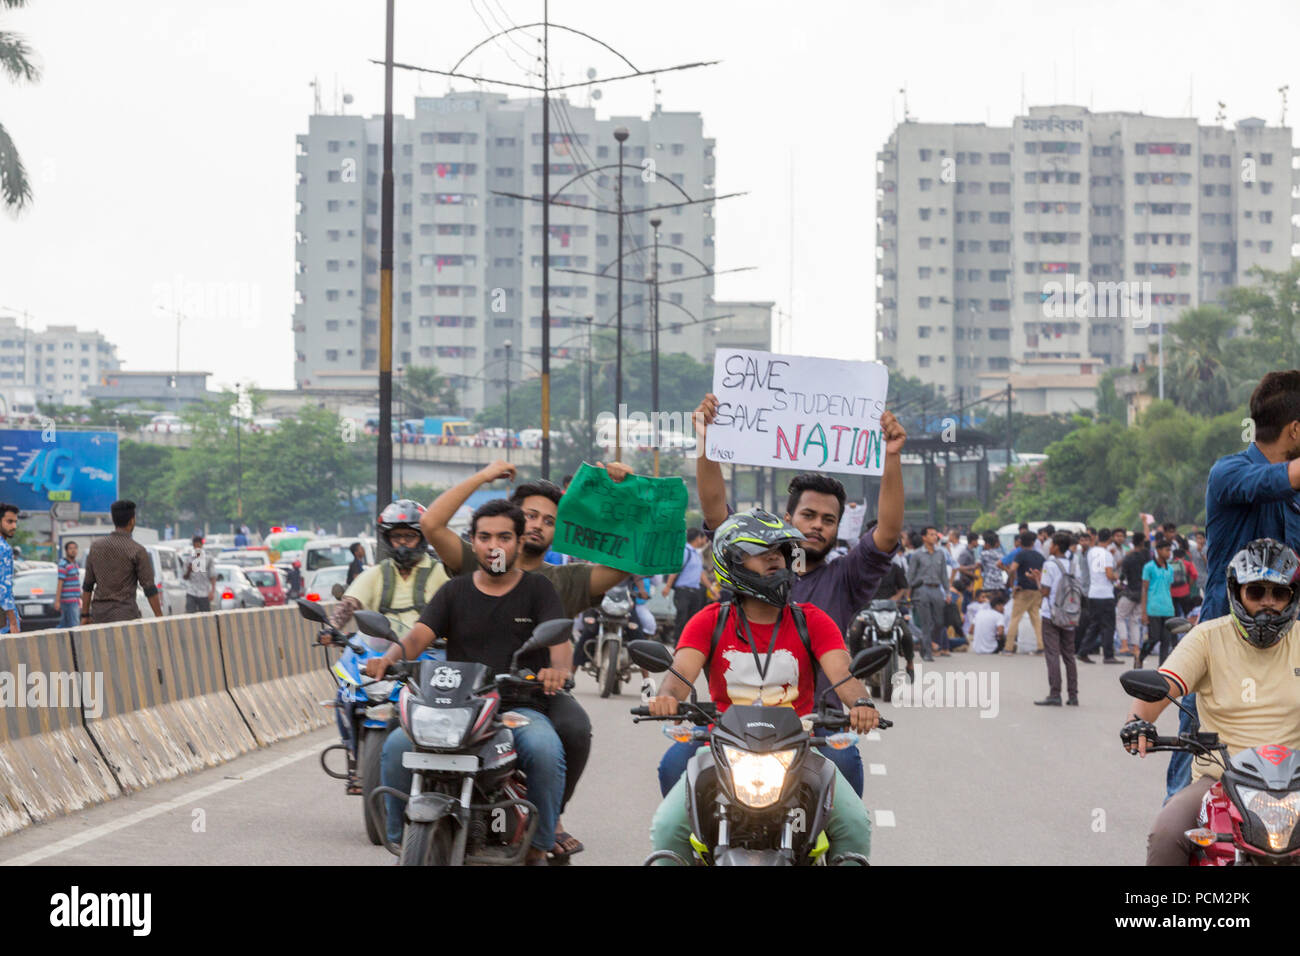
654 343
620 134
508 432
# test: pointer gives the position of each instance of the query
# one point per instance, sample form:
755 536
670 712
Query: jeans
70 614
1179 774
197 605
1101 628
541 757
673 764
848 827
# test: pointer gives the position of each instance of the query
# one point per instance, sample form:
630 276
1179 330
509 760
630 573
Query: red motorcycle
1249 816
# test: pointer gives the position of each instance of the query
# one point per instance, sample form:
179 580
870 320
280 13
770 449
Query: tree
15 60
1195 375
427 392
1273 307
142 471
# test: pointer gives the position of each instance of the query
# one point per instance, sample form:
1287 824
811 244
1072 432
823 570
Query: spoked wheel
428 844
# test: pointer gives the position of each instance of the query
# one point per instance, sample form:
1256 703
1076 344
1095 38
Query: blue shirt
1160 602
692 567
6 582
1246 497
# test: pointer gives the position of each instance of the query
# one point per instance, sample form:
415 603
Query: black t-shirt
355 568
1027 559
895 580
1130 571
483 629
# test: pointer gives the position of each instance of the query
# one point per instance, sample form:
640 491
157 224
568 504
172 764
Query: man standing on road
69 594
687 585
1026 598
358 563
8 528
200 578
116 565
1250 495
1058 638
1101 605
927 575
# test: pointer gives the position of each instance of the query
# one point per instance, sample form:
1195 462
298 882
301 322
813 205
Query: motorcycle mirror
1178 625
869 660
374 624
1145 685
546 634
337 591
311 611
651 655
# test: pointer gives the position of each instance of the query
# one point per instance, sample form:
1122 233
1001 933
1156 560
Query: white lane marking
94 833
883 818
873 735
878 769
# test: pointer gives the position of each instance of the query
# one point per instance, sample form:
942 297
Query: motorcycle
882 623
468 801
367 713
607 659
761 794
1249 816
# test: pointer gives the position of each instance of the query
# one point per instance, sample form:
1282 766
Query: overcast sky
161 136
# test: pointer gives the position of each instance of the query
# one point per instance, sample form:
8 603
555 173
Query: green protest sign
637 525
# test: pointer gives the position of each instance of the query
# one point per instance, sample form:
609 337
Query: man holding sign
815 507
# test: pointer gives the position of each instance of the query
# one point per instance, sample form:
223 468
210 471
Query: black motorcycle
604 636
761 794
883 623
468 801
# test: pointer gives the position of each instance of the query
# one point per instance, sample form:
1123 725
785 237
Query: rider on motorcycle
1256 646
752 554
397 587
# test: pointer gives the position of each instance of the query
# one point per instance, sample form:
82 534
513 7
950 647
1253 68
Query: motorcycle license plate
462 763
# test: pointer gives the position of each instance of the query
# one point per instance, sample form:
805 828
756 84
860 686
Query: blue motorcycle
365 711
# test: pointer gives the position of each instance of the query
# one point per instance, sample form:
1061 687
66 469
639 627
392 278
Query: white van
1007 533
323 552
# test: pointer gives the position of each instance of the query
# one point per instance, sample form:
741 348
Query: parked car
323 552
270 583
167 570
234 589
35 594
245 557
321 582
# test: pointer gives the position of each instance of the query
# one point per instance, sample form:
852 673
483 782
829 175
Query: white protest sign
796 411
851 523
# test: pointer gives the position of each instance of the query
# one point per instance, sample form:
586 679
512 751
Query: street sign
73 466
65 510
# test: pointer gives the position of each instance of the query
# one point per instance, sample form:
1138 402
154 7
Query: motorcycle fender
819 775
431 807
736 857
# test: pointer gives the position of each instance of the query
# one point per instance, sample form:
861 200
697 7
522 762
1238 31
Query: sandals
354 786
566 845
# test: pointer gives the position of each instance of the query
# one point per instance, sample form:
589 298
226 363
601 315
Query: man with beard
815 506
578 585
485 617
1250 495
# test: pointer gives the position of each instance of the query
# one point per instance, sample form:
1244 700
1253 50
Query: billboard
40 467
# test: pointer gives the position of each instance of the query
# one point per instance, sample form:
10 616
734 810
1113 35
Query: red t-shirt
733 673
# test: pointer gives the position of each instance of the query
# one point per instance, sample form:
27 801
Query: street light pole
401 432
508 432
384 464
620 134
654 345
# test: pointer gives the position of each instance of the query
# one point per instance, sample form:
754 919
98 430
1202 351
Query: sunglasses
1279 592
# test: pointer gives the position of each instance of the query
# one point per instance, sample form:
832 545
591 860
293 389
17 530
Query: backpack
1067 598
1180 574
800 625
389 577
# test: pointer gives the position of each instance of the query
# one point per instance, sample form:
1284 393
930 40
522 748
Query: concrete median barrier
49 765
165 710
275 671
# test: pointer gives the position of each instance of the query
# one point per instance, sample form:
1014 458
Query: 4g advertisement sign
39 467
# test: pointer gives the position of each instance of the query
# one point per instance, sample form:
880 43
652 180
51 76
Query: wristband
864 702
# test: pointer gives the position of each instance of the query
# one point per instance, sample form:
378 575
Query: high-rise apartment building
467 263
1068 237
60 362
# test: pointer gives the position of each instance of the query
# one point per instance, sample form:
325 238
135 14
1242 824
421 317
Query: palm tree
1199 381
15 60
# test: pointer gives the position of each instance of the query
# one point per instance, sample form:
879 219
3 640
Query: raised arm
889 506
439 514
709 483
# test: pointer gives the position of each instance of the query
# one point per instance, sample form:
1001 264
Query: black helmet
1267 561
753 532
403 513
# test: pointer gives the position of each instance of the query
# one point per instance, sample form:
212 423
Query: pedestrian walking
927 574
1184 581
8 528
1059 585
1026 598
1100 632
1157 602
200 577
116 565
69 591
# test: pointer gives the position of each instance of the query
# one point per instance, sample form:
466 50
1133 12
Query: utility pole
654 342
1008 424
384 476
620 134
509 433
546 252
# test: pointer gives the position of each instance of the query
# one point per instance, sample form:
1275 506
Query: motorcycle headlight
1279 814
440 727
885 620
614 607
757 779
379 690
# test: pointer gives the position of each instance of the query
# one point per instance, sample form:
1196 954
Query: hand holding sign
624 521
794 411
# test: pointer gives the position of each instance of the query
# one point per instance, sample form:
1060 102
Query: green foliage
1033 433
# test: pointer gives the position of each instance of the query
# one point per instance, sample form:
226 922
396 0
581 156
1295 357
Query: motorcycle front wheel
428 844
609 668
369 751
